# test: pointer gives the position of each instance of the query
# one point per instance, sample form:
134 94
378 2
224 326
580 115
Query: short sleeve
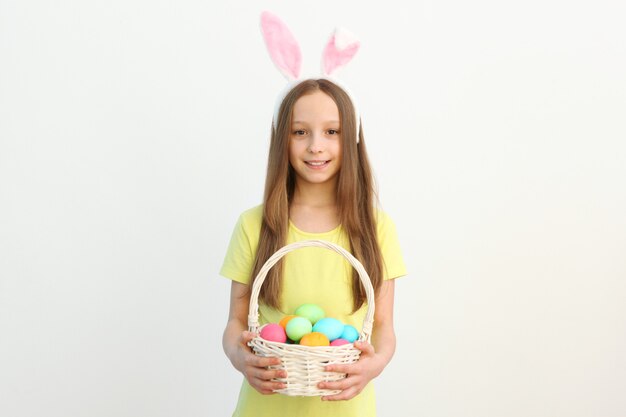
240 254
393 262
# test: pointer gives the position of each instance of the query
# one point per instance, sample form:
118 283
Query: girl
319 185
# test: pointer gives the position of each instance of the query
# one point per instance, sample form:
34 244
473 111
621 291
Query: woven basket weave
305 364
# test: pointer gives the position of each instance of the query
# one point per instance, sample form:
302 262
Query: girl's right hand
254 368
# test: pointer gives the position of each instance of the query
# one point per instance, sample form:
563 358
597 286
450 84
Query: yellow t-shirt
310 275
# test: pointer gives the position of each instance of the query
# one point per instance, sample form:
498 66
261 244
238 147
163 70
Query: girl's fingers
366 350
259 377
266 387
262 378
342 384
261 362
267 375
263 391
342 369
265 362
247 336
364 347
343 395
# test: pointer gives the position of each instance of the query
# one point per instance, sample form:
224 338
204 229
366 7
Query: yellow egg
285 320
314 339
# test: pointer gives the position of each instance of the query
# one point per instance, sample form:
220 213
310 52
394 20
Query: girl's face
315 139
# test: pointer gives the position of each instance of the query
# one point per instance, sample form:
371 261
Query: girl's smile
317 164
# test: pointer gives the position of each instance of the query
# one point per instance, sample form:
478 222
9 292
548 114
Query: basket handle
253 311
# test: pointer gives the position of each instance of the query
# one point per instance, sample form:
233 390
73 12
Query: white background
133 133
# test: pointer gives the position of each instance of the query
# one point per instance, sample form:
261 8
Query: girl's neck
314 208
315 195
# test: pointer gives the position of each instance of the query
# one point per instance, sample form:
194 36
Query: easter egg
332 328
350 333
312 312
314 339
298 327
339 342
274 333
283 322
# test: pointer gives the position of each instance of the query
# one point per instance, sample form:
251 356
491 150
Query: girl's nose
315 143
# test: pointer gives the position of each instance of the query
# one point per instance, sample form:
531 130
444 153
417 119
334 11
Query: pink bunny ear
340 49
282 46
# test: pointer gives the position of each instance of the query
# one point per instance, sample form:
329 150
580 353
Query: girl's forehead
317 105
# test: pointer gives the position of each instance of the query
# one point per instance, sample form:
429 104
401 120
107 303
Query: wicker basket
305 364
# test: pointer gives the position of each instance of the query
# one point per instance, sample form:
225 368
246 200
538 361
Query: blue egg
350 333
330 327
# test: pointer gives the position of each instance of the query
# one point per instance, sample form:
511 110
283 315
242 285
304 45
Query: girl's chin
316 179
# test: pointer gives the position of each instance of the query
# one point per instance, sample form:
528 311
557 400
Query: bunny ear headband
285 52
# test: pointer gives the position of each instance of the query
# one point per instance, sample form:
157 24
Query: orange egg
314 339
285 320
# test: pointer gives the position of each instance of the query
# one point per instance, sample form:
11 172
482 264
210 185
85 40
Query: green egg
298 327
313 312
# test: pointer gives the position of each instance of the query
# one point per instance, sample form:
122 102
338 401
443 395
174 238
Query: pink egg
273 333
339 342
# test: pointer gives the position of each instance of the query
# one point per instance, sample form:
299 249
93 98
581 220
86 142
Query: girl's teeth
316 163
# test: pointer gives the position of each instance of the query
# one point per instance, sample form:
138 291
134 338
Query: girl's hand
369 366
253 367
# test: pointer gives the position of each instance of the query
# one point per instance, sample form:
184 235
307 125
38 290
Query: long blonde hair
356 195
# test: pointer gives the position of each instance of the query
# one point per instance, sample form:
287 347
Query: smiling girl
319 185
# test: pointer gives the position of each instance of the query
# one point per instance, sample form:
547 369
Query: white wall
132 133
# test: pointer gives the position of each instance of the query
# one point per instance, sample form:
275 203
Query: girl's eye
333 132
299 132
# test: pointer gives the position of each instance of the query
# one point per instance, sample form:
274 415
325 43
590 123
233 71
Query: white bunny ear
282 46
340 49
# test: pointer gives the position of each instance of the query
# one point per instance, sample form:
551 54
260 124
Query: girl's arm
235 341
374 357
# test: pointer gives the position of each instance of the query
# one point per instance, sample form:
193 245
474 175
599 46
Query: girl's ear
340 49
282 46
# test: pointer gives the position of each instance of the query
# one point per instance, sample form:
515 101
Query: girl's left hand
360 373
